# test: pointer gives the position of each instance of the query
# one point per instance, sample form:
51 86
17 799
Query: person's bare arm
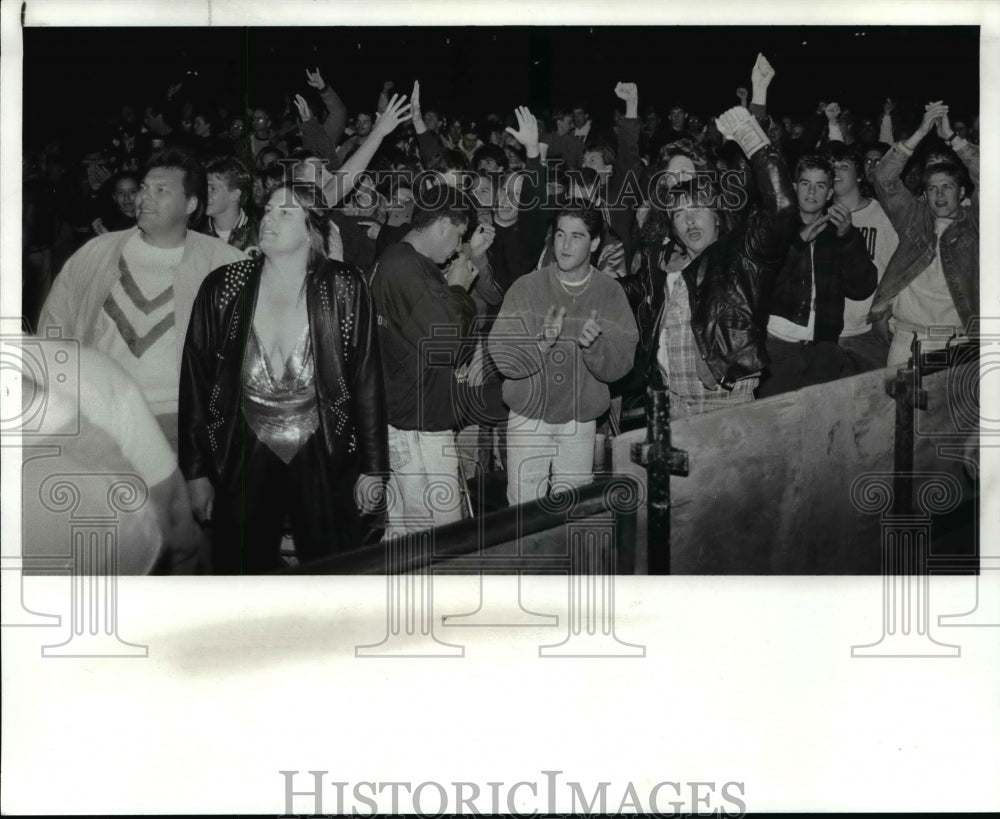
338 184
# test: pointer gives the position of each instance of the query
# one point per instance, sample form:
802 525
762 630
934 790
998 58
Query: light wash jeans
536 450
424 487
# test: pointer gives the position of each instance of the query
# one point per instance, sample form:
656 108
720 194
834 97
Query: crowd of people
338 318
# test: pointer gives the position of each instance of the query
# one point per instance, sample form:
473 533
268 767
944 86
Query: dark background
73 77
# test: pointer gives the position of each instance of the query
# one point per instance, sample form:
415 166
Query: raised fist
762 72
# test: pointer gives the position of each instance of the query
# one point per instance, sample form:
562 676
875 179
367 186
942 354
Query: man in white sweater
867 345
129 293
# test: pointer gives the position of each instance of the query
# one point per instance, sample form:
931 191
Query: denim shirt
914 222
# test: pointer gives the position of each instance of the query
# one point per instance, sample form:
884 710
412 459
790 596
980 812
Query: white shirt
786 330
927 301
881 240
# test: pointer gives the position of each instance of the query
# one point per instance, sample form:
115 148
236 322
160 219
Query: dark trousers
797 364
253 504
868 351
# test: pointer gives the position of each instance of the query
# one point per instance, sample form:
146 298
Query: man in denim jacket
933 278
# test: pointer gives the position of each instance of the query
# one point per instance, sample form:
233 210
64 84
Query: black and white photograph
626 372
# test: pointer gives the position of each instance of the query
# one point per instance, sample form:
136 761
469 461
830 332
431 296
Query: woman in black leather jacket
282 410
706 342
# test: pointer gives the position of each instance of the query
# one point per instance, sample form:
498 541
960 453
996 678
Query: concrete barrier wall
769 484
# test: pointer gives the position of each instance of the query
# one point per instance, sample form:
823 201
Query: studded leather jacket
349 388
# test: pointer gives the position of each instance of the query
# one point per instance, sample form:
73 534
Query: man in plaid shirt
682 364
708 344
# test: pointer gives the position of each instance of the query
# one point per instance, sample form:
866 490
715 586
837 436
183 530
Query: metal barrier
597 527
661 461
906 525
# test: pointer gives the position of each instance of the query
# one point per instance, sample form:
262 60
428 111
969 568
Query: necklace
565 285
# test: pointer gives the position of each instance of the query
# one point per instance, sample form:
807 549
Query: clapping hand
944 129
933 111
590 332
552 326
840 217
811 231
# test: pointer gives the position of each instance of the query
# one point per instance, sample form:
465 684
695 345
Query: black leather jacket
352 414
724 282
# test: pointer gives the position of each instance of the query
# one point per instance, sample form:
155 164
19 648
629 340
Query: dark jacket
914 222
424 333
352 415
724 282
842 268
242 237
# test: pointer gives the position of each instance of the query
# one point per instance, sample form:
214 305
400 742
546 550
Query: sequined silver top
282 412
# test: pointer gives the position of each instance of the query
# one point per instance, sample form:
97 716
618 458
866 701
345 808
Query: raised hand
627 91
305 113
888 106
840 217
416 115
552 326
527 127
832 111
730 120
743 94
933 111
590 332
387 86
481 240
762 72
397 111
315 79
944 129
97 175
